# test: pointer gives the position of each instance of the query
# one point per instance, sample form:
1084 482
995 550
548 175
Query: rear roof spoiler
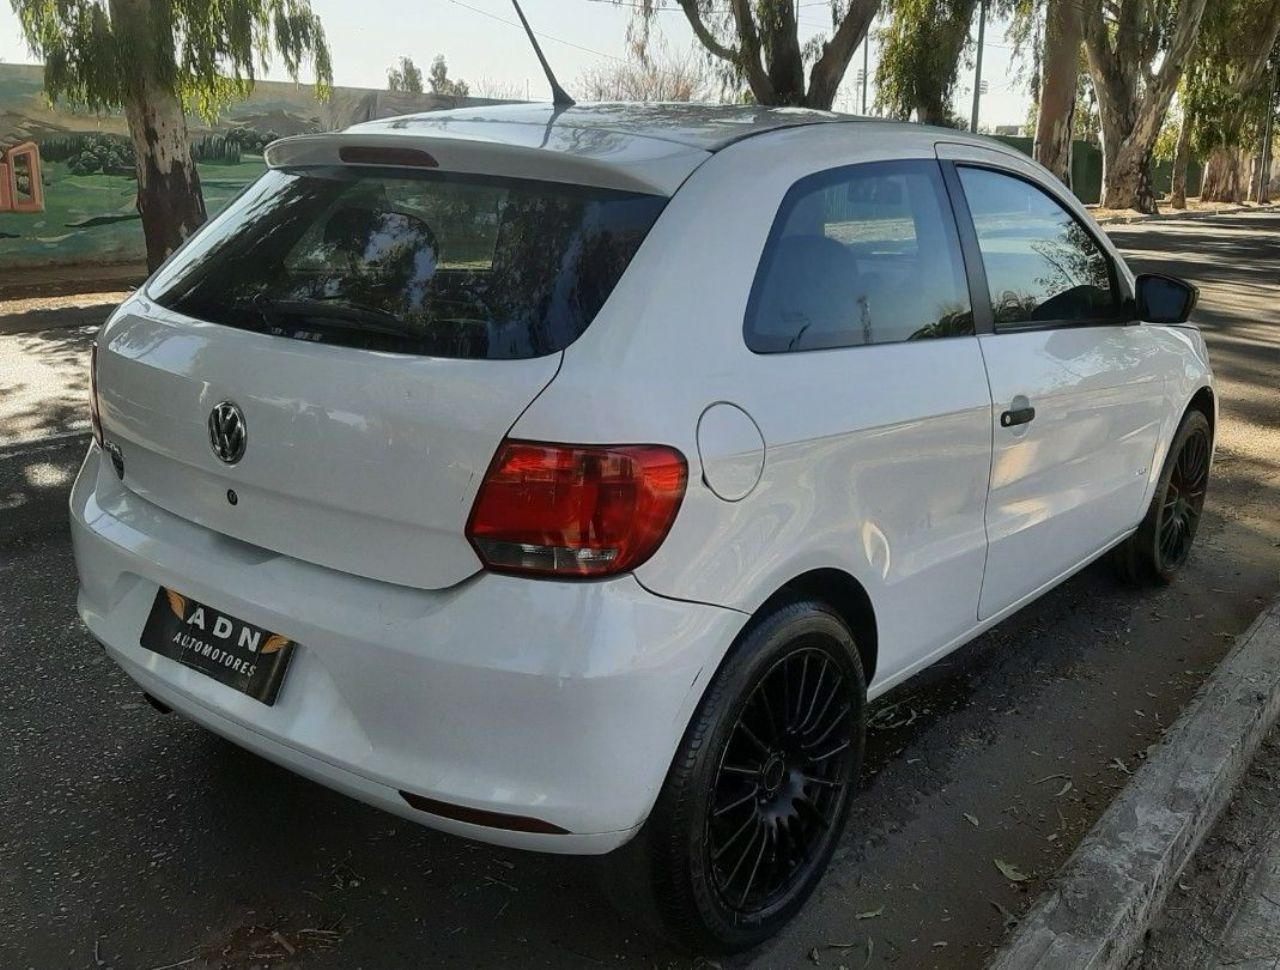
599 158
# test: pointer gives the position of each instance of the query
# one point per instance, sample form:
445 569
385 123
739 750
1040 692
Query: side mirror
1164 299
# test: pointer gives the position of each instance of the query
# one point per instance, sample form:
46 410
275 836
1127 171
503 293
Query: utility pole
1265 162
977 74
866 59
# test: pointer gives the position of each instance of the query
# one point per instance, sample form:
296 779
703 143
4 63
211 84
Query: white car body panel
338 421
564 701
1079 477
482 692
1073 479
849 482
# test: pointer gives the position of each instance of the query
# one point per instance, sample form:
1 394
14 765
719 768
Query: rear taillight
572 510
95 419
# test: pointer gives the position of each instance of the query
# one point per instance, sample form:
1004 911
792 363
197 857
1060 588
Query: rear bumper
561 702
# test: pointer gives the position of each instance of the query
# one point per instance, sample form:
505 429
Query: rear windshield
442 265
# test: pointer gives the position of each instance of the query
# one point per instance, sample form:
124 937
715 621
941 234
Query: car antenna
559 96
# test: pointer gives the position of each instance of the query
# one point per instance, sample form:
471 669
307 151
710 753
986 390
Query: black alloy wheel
1156 552
781 780
759 790
1183 502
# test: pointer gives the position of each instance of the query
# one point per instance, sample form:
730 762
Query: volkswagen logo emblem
228 434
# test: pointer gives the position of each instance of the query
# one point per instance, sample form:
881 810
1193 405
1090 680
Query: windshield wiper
326 314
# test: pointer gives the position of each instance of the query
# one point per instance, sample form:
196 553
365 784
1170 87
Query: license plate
231 651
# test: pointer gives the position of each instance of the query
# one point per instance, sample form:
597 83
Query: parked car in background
572 479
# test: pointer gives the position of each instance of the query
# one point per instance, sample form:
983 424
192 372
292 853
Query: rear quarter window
441 265
864 254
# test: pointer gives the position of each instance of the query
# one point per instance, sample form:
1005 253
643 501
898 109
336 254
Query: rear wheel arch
666 875
846 597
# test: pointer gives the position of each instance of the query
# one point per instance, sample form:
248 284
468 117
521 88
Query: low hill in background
89 216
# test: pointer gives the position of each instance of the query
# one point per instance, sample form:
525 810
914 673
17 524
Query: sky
482 42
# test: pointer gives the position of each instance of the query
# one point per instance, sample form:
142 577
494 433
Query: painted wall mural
87 178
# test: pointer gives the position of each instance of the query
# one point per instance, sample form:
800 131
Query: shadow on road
44 383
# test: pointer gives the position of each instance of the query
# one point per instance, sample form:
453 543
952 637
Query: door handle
1017 416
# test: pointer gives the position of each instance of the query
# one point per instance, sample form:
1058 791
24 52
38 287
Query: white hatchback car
571 479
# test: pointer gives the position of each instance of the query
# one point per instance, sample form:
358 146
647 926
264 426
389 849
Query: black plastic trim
478 816
975 270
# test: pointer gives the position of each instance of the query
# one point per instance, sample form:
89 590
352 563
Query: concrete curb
1104 897
1171 215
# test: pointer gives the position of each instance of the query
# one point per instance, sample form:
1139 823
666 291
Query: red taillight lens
95 419
575 510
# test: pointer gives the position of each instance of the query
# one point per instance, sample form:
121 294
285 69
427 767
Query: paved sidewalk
1225 910
1104 900
1195 210
44 384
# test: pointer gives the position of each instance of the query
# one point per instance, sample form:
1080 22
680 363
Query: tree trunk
830 67
1181 156
783 59
169 197
931 109
1126 175
933 88
1131 101
1059 67
1224 175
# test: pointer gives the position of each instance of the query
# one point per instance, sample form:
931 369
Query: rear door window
442 265
866 254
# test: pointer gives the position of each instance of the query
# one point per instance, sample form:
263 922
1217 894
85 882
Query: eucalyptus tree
1227 93
1180 155
1058 86
441 83
159 60
757 43
920 50
1137 51
405 75
925 43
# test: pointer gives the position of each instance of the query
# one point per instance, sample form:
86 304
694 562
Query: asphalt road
134 840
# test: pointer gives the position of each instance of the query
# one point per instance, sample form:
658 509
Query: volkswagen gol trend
572 479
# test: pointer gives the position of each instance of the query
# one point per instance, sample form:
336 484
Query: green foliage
1225 88
249 140
207 52
63 148
920 49
1168 136
440 81
221 148
89 153
86 164
406 76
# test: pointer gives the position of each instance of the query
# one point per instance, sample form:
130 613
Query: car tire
1154 554
759 791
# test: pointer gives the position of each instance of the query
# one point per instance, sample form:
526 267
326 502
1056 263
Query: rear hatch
376 330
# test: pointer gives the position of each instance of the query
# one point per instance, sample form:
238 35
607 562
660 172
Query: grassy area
93 218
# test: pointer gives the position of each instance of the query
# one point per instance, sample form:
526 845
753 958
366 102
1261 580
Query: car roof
642 147
708 127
